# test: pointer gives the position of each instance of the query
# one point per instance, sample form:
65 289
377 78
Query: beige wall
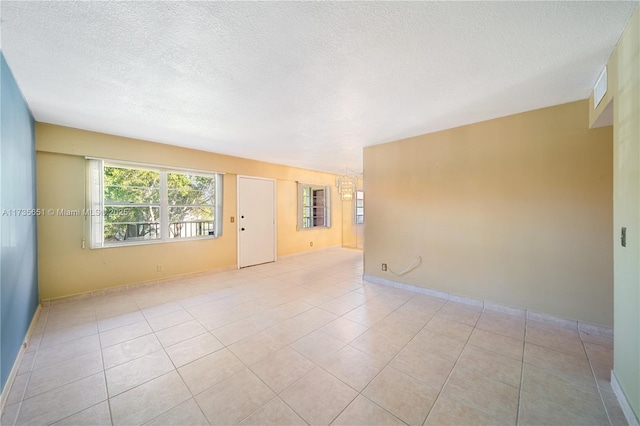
626 206
516 210
65 268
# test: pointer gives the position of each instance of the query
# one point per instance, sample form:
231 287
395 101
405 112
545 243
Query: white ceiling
307 84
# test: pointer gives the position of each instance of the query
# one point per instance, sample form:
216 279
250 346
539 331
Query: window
191 204
359 210
313 206
133 205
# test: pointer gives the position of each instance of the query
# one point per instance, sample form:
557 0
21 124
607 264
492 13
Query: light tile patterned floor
303 341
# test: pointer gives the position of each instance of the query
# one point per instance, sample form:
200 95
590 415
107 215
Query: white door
256 221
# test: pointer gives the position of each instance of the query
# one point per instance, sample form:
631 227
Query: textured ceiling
307 84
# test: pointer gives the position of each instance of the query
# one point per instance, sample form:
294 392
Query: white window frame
355 207
95 194
325 206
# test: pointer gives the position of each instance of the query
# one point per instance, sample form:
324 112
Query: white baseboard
510 310
18 361
622 400
492 306
409 287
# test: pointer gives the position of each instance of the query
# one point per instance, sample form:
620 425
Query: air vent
600 89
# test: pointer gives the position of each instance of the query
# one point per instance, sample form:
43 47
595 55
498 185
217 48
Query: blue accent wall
18 244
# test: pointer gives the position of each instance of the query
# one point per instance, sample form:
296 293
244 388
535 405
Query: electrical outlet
159 268
384 266
310 243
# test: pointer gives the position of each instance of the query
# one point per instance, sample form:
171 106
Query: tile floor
303 341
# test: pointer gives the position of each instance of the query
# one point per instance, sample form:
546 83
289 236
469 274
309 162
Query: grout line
104 370
450 371
524 342
456 363
35 356
37 351
241 284
358 393
94 301
595 378
316 365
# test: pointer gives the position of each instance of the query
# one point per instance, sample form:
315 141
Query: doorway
256 221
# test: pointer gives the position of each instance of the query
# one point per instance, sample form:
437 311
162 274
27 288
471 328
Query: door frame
275 217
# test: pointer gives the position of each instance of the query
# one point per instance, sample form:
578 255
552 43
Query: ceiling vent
600 89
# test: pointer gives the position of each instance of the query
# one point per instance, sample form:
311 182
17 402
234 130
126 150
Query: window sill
153 242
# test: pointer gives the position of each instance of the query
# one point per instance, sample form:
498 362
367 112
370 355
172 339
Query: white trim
492 306
275 216
355 207
275 220
95 198
504 309
164 219
467 300
595 329
553 320
159 241
16 365
97 204
328 212
403 286
622 400
600 88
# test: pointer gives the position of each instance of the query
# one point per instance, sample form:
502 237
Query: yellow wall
516 210
626 206
349 228
66 269
352 233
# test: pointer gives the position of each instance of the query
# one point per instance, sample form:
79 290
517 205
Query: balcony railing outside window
144 231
